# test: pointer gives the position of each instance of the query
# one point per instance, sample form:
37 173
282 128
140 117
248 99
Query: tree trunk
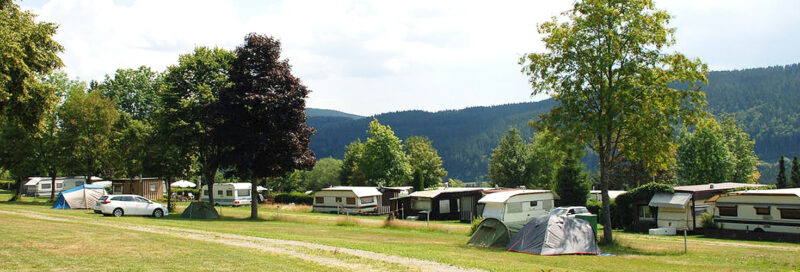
52 186
209 177
18 195
254 197
169 194
604 180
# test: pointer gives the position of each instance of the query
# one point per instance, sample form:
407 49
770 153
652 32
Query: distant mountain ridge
313 112
766 101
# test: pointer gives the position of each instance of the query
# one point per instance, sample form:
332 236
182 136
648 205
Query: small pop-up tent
555 235
200 210
81 197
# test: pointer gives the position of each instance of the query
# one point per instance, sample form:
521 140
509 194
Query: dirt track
296 249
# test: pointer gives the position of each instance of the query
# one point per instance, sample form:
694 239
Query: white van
229 194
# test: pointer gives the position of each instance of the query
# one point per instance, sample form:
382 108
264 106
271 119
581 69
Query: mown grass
633 251
33 245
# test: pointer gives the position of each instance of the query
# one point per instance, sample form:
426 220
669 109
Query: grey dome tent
555 235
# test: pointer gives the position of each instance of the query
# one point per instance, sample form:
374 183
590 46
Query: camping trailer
683 209
516 205
440 204
346 199
776 210
42 186
229 194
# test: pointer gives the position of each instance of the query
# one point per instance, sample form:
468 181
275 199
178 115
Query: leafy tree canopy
383 160
425 160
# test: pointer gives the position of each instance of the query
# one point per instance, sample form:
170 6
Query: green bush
294 197
596 207
474 225
708 221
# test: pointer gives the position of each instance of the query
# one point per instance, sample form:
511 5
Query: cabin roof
503 197
437 192
359 191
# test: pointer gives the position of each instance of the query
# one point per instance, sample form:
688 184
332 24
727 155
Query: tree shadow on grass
618 248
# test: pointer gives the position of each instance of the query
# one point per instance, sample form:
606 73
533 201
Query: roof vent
711 186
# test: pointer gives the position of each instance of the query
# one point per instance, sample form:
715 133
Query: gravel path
278 246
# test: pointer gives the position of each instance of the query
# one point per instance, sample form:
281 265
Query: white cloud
369 57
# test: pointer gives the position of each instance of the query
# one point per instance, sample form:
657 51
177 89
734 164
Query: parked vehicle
119 205
571 211
229 194
775 210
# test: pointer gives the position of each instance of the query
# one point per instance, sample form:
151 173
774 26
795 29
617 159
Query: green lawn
633 252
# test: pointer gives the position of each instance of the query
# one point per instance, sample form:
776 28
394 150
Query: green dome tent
200 210
490 233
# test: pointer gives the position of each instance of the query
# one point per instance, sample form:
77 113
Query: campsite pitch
81 240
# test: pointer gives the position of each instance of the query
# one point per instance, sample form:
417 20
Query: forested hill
765 100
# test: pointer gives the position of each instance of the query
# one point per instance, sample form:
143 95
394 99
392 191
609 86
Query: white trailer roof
674 200
503 197
359 191
770 192
436 192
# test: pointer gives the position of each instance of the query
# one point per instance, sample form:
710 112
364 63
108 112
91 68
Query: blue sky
379 56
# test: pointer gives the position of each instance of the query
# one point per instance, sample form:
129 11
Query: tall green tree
325 174
191 96
130 143
264 115
383 160
571 183
703 155
740 146
27 51
51 153
795 173
87 120
507 167
780 180
547 154
609 66
351 174
134 91
424 159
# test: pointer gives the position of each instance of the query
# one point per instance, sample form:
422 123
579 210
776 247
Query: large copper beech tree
264 115
609 67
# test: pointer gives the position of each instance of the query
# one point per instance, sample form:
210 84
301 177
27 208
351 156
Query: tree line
240 113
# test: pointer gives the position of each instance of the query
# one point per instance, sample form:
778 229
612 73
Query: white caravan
776 210
347 199
517 205
229 194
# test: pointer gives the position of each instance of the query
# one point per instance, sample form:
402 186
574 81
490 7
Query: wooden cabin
150 188
439 204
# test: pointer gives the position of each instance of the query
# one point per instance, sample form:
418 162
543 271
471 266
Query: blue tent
81 197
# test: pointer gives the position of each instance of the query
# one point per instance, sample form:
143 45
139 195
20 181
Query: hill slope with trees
764 100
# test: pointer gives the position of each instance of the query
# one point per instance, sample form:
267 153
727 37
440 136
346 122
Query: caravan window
338 199
45 186
219 192
243 192
514 207
534 204
367 200
727 211
205 192
762 210
790 213
319 200
59 185
229 193
351 201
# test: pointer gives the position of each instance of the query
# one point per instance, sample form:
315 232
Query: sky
370 57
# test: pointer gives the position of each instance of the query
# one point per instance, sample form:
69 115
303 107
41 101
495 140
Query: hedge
596 207
294 197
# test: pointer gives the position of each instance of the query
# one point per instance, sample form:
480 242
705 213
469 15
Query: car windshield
581 210
558 211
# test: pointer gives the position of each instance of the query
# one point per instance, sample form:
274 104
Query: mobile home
151 188
347 199
516 205
682 210
776 210
229 194
440 204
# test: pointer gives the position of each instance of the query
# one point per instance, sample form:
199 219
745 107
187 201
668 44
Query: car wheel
118 212
158 213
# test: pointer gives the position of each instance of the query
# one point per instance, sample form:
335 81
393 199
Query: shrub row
294 197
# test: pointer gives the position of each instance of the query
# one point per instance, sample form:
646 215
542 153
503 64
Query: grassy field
442 243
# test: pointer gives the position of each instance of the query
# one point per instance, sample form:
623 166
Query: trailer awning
674 200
